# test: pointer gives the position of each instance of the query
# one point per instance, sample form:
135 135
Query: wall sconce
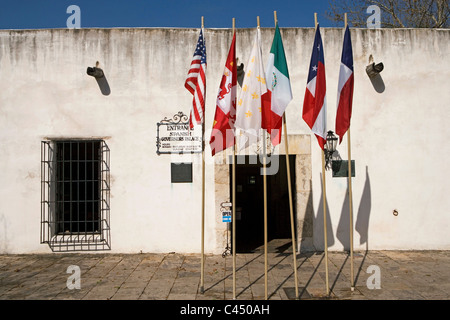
95 72
100 77
373 69
330 148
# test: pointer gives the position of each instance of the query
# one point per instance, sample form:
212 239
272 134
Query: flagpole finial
257 21
315 19
234 24
203 22
275 17
345 19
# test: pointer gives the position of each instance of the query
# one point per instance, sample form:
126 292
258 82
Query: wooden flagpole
324 204
350 197
291 208
233 206
265 204
202 278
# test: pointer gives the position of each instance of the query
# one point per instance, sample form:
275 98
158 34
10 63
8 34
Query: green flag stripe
278 51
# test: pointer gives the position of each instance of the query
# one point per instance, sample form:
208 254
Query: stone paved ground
423 275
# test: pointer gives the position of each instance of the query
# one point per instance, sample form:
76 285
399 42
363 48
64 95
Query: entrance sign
174 136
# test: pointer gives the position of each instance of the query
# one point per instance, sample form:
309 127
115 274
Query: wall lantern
330 148
95 72
338 166
373 69
100 77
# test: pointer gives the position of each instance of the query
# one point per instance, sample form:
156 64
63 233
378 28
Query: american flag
196 82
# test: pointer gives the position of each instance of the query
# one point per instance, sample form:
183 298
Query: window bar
94 197
43 216
93 189
78 191
99 194
48 197
103 217
61 199
102 191
60 178
100 185
104 213
42 193
89 199
67 195
85 189
70 191
45 186
67 201
65 241
108 193
50 174
58 189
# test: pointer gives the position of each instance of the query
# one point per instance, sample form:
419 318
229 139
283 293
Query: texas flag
279 92
345 87
314 104
222 135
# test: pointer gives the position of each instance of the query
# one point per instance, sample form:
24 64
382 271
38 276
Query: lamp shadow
103 85
378 83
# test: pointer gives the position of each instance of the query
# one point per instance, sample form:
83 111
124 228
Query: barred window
75 194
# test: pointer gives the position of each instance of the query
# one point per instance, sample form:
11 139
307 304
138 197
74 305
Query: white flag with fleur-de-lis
249 104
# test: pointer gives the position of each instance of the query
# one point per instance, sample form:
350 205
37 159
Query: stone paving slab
403 275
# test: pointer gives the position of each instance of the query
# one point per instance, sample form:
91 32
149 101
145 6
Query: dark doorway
250 205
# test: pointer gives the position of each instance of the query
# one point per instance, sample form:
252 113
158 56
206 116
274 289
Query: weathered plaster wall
398 135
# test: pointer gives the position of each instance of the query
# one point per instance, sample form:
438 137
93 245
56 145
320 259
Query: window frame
94 240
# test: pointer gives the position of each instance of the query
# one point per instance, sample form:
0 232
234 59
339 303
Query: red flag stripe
344 111
196 82
222 135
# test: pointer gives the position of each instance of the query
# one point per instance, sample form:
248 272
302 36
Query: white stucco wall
398 140
398 136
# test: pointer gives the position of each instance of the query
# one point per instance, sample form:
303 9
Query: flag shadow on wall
318 223
362 217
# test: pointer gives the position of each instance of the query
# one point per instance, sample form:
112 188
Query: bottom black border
223 309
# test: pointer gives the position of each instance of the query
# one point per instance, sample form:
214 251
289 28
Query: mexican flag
279 92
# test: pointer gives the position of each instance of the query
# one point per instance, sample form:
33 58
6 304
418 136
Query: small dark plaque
181 172
340 168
